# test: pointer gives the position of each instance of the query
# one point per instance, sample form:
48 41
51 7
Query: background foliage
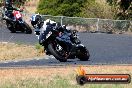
61 7
123 9
109 9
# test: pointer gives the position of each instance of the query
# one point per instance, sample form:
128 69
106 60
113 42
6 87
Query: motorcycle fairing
17 14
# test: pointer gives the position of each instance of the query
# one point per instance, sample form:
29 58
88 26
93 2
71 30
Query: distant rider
8 9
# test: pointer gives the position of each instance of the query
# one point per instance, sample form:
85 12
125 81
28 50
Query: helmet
36 19
8 3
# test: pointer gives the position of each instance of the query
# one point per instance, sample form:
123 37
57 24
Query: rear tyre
56 54
83 54
27 29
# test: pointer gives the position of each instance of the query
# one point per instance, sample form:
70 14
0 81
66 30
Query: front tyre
55 53
27 29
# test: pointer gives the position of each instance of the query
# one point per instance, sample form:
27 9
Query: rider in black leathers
36 21
8 9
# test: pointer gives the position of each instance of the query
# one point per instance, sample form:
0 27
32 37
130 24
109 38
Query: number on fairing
17 14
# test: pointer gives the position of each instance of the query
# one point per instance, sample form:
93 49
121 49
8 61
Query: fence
90 24
93 24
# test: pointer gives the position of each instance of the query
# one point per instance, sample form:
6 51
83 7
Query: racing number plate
17 14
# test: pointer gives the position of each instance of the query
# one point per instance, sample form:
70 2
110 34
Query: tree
61 7
123 9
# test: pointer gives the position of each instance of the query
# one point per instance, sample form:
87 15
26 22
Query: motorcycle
54 45
17 23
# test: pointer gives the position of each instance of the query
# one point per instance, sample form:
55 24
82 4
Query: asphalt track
104 49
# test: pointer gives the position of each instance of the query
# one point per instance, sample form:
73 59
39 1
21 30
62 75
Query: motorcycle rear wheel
83 54
9 26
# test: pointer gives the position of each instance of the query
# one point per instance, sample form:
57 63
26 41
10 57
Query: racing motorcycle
53 45
17 23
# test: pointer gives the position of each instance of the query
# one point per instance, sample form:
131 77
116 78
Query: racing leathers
8 11
49 25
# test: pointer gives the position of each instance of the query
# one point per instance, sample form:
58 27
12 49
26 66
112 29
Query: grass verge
11 51
63 77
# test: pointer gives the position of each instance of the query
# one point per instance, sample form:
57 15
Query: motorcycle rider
36 21
8 9
45 26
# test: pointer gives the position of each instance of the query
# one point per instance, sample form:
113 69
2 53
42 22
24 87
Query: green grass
19 43
38 46
56 82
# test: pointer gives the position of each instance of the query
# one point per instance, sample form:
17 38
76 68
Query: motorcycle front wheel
59 54
27 29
